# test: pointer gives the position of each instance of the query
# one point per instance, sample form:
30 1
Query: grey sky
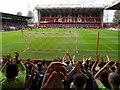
13 6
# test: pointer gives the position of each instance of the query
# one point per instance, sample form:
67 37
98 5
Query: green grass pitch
108 45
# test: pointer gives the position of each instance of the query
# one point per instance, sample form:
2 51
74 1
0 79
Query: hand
107 58
17 56
35 69
89 58
102 59
84 58
73 58
16 53
54 82
55 73
58 67
67 53
7 58
59 58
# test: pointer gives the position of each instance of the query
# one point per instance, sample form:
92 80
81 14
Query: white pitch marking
108 47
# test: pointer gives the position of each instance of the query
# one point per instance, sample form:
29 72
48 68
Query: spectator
13 74
28 68
29 83
118 70
101 74
44 65
79 82
41 69
69 66
77 76
114 80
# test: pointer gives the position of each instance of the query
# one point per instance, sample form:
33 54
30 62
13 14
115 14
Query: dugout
70 16
13 22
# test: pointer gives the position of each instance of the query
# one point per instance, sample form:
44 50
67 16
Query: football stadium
69 48
61 28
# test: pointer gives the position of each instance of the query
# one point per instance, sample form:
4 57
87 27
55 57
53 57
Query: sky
13 6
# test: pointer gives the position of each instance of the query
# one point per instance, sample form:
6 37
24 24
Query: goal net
51 41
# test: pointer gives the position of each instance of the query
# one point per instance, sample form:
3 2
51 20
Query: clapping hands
55 74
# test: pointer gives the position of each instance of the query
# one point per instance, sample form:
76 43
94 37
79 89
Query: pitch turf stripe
82 39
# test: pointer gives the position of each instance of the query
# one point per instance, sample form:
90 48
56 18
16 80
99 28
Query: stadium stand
68 16
12 22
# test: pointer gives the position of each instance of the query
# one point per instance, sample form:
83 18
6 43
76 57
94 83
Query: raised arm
6 59
102 69
97 75
67 54
22 72
73 59
30 79
3 71
94 65
76 69
64 58
59 58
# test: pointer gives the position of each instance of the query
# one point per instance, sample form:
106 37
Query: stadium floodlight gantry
70 15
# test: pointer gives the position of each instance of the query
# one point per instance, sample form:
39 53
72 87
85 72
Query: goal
51 41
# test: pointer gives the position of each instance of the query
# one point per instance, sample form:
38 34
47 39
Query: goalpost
51 41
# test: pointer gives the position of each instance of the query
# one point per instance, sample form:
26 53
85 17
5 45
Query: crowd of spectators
115 27
70 26
64 73
13 25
